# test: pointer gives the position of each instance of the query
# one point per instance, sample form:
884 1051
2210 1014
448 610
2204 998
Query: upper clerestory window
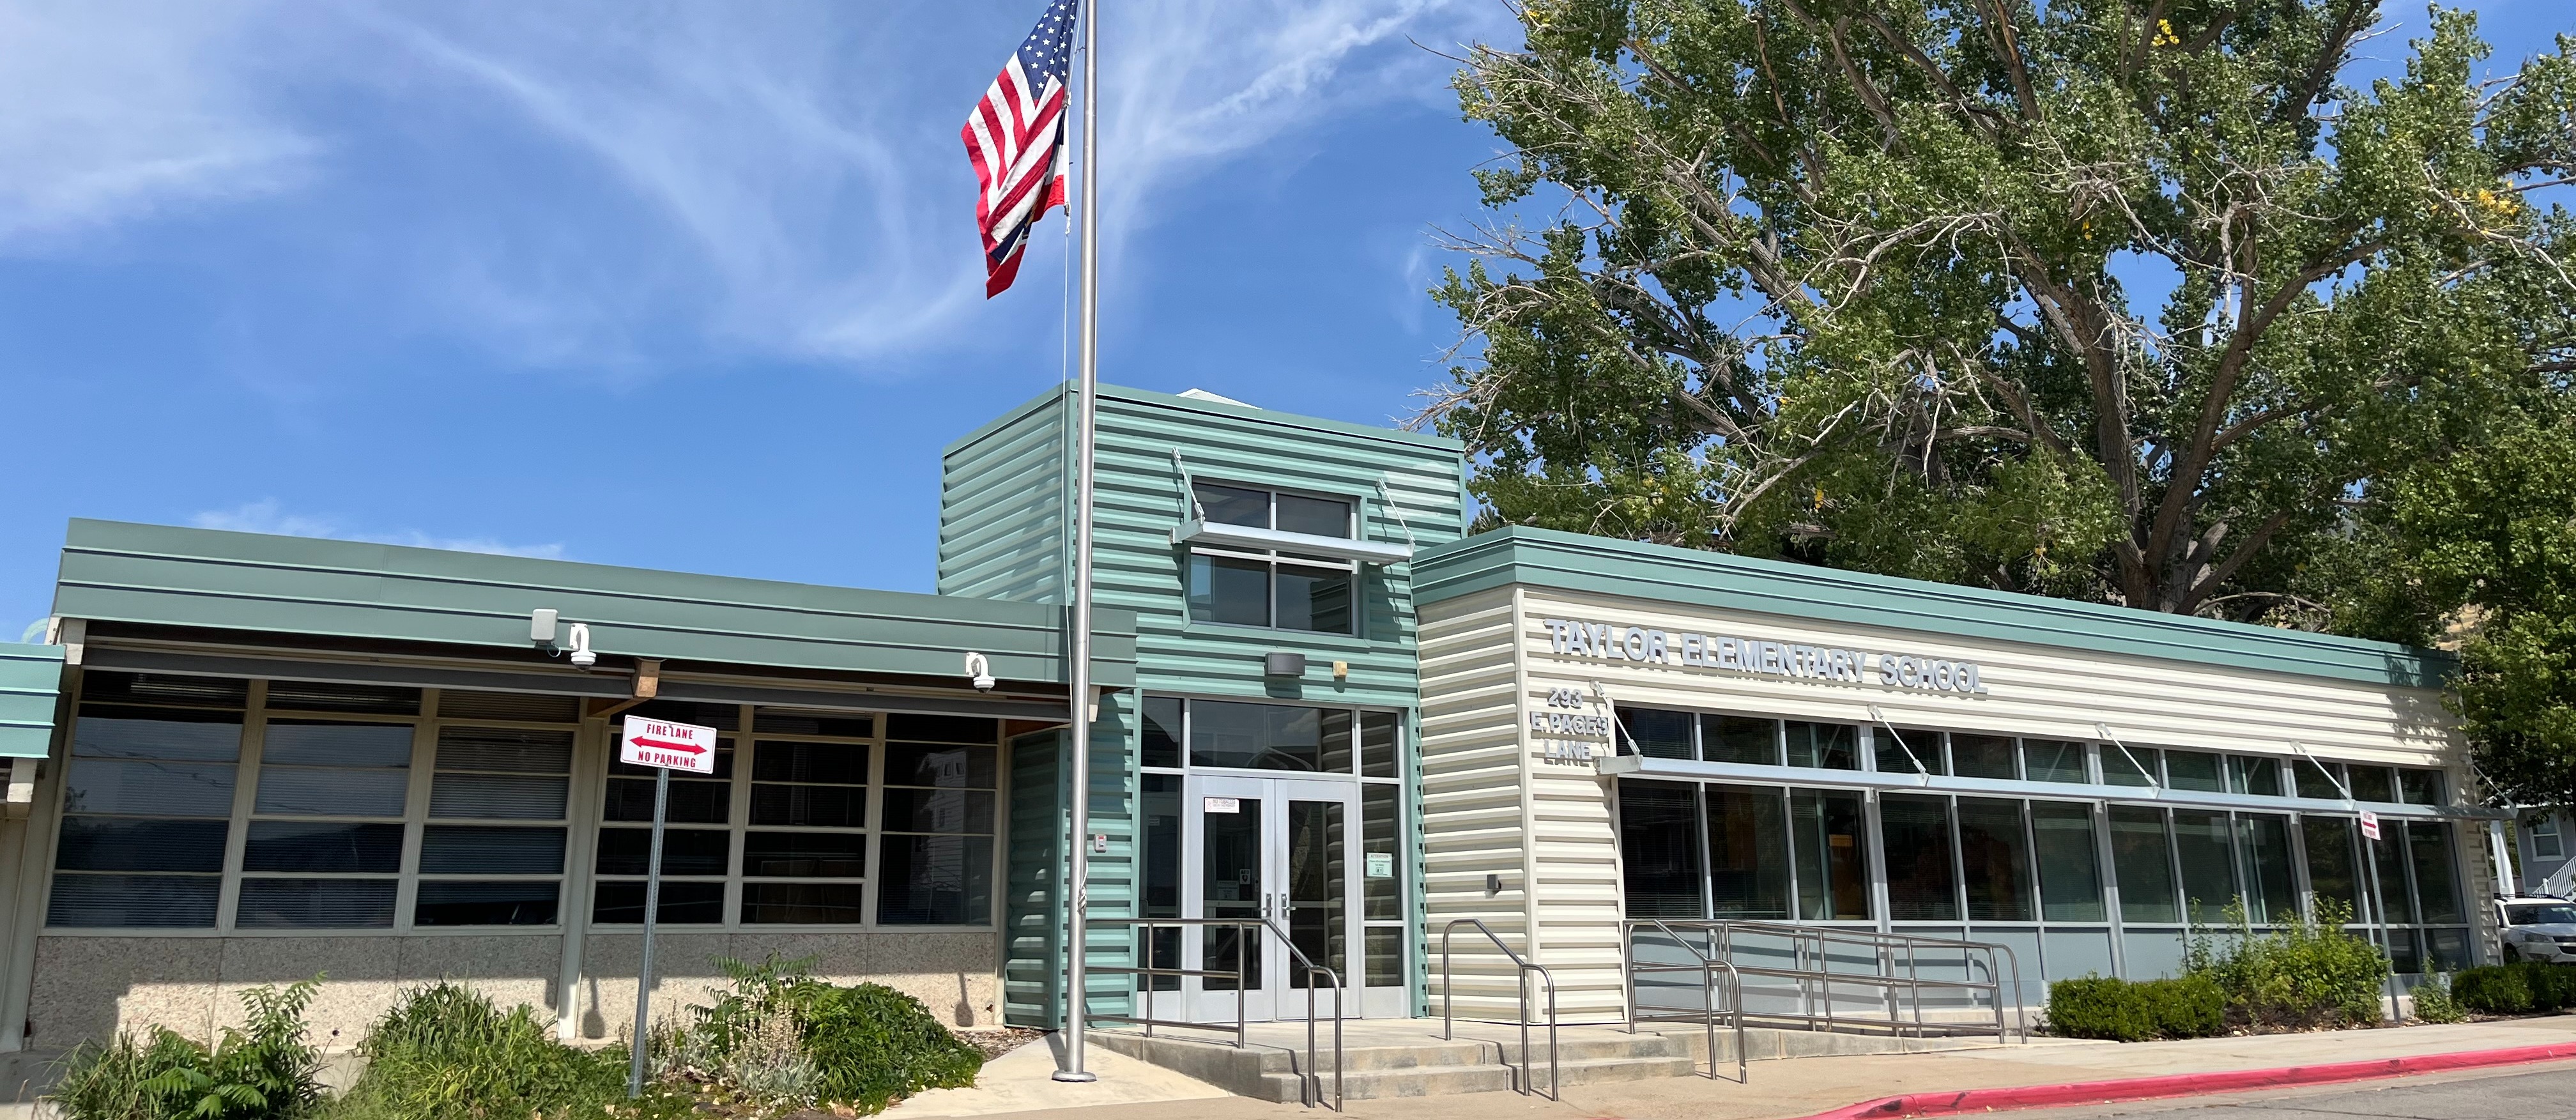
1270 587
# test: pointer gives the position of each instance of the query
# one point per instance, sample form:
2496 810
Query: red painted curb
2183 1084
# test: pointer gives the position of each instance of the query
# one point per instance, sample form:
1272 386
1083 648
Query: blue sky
691 286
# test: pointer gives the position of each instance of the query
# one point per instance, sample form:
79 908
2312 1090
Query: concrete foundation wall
89 987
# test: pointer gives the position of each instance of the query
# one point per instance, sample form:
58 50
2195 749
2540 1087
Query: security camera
582 655
981 670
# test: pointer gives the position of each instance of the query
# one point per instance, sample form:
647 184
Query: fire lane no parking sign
671 746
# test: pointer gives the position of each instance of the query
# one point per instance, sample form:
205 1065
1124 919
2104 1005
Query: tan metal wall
1496 803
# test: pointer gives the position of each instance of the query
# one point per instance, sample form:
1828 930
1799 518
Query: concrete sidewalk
1791 1088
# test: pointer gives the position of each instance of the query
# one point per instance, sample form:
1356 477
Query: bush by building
780 1037
2190 1006
2305 972
265 1070
2515 989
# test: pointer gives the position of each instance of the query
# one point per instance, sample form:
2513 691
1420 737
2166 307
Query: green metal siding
1033 912
1661 573
31 677
297 585
1003 533
996 473
1001 523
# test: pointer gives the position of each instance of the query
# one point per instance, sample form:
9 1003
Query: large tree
2126 300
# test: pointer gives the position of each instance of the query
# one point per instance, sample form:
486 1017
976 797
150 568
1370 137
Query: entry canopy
1220 535
30 678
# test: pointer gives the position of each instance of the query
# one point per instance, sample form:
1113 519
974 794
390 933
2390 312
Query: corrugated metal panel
1492 800
31 676
1475 802
296 585
1032 911
1690 577
2050 693
1003 529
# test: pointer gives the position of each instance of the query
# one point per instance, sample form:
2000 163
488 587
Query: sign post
2379 907
664 746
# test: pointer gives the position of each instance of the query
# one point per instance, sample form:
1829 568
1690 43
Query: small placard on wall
1223 804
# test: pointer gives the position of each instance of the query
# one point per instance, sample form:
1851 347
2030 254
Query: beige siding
1474 805
1494 803
2034 691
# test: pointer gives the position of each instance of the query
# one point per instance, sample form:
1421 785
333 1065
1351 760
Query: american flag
1015 137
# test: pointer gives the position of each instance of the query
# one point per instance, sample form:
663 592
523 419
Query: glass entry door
1279 849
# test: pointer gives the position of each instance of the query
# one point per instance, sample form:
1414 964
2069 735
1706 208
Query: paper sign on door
1381 865
1223 804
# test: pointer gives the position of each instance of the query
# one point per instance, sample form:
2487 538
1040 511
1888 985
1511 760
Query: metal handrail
1816 984
1520 985
1707 968
1310 1082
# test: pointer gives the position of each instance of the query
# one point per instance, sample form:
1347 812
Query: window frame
1272 560
584 815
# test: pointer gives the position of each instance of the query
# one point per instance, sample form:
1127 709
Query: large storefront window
2039 872
359 807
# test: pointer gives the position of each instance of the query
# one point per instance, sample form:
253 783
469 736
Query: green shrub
2134 1011
873 1045
2434 1004
2492 989
781 1038
2515 989
446 1053
2309 972
264 1071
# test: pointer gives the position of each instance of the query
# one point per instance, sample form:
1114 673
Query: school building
1326 713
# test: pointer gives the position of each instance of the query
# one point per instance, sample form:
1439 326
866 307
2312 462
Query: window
147 802
2545 842
1995 856
316 781
2372 783
1661 733
326 832
697 837
1982 756
1826 830
1270 588
1659 843
1827 746
1901 752
492 852
2264 841
2053 760
937 852
1737 739
2208 863
2142 864
2194 770
2420 787
2070 882
2130 766
1748 857
2254 774
2332 874
1915 840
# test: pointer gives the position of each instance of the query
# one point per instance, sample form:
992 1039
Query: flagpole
1079 677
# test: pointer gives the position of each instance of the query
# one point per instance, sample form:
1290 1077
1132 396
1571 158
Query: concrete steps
1377 1066
1384 1059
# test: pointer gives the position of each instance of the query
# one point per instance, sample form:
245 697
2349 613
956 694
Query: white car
2538 929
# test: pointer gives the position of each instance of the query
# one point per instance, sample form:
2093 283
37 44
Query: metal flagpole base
1076 1075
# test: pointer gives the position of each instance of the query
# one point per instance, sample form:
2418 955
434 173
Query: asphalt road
2545 1092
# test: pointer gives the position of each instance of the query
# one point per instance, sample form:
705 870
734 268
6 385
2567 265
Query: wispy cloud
598 183
121 110
267 515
